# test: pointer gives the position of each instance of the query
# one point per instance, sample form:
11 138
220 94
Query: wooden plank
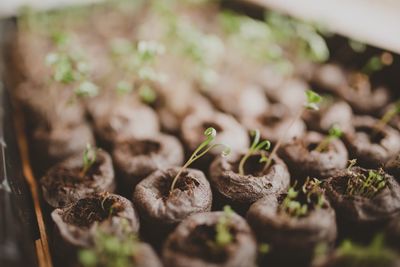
375 22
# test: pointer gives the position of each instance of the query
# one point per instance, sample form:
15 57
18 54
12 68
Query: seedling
291 206
110 250
377 62
254 148
334 133
374 254
70 68
223 236
387 117
201 150
138 60
89 158
298 202
366 186
313 100
352 163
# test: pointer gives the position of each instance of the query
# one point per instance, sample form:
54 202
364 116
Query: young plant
223 236
352 163
374 254
366 186
109 250
387 117
138 60
254 148
298 202
334 133
313 100
89 158
201 150
69 67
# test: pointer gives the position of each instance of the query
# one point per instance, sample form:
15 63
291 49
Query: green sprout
334 133
223 236
313 101
366 186
291 206
89 158
201 150
138 60
254 148
352 163
296 203
69 68
109 250
387 117
264 248
377 62
374 254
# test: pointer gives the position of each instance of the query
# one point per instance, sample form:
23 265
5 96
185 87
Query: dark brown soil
240 191
358 213
303 160
192 243
372 146
135 159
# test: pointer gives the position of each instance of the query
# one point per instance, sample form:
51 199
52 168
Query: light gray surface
11 7
375 22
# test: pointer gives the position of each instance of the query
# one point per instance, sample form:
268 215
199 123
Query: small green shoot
201 150
297 203
264 248
147 94
352 163
109 250
387 117
377 62
334 133
374 254
254 148
223 236
366 186
136 63
89 158
313 101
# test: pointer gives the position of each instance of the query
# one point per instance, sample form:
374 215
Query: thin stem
200 151
282 137
242 162
324 144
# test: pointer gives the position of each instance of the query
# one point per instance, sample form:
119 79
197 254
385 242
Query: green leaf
313 99
87 89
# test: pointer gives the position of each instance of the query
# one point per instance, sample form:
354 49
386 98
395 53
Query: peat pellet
75 224
302 158
276 122
53 145
65 183
292 240
371 144
189 244
241 190
361 208
136 158
161 209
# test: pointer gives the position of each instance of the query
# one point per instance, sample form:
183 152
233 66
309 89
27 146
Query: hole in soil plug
253 166
374 136
184 183
144 147
270 120
87 211
214 125
199 244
